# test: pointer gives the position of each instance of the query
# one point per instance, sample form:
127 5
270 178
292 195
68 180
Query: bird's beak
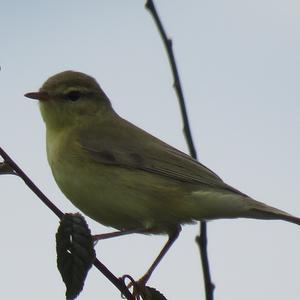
42 96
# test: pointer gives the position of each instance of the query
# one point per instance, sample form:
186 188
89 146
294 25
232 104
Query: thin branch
177 85
30 184
119 284
202 239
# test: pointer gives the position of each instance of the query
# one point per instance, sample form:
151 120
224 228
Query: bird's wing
122 144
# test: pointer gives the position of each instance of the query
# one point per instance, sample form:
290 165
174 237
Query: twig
177 85
119 284
202 239
30 184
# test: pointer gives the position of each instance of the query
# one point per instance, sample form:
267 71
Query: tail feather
209 205
260 210
273 215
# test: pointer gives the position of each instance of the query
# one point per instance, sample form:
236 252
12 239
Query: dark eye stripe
73 95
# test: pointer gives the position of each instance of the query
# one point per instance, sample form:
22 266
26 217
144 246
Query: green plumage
123 177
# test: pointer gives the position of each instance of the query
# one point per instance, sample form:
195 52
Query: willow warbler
123 177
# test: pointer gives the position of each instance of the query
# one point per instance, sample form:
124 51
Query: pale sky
239 63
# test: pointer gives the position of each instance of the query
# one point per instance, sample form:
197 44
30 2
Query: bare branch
30 183
202 239
118 283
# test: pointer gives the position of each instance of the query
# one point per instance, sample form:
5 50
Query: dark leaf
75 252
150 293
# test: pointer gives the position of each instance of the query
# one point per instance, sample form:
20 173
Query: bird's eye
73 95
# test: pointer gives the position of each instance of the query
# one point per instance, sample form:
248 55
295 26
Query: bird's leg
138 286
109 235
172 238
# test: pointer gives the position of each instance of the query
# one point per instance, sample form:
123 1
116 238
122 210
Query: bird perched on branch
123 177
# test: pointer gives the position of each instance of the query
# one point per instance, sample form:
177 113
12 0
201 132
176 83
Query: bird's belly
122 198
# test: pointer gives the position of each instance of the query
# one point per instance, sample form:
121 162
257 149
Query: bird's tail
260 210
211 205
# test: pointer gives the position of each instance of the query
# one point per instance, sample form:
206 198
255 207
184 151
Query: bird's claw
138 287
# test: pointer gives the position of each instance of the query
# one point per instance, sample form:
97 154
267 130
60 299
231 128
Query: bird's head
69 98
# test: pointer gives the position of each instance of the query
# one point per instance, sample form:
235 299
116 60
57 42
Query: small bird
123 177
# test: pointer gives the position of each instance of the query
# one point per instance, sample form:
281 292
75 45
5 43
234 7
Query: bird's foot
138 287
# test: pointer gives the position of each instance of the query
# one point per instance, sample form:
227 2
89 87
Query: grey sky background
239 64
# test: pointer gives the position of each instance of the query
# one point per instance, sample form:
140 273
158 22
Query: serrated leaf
75 252
150 293
5 169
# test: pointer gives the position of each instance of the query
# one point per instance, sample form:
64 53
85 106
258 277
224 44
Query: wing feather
118 142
